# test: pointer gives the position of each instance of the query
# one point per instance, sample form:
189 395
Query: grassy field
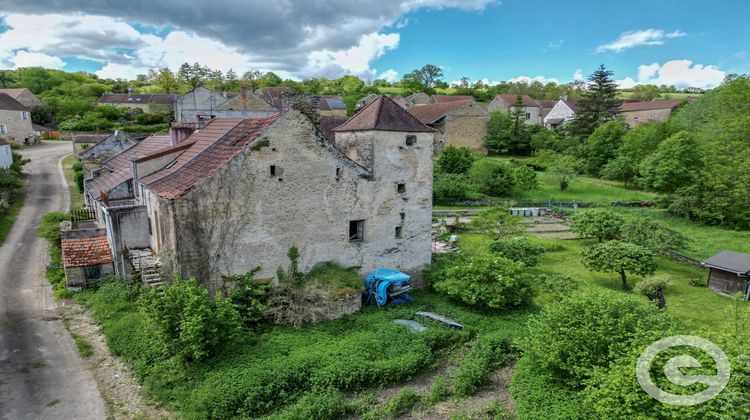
76 198
9 217
582 189
705 241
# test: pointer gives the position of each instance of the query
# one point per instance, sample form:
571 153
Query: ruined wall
82 276
467 126
634 118
357 146
243 217
16 128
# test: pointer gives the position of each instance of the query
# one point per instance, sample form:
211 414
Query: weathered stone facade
532 111
16 125
464 126
634 118
292 188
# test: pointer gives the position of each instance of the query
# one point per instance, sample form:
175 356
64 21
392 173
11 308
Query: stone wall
634 118
16 128
79 277
466 126
242 216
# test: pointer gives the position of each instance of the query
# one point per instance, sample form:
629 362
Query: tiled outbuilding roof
385 115
439 99
327 124
121 166
650 105
511 99
430 113
8 103
214 146
84 252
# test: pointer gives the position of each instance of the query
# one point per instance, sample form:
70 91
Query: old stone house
460 123
200 105
635 113
147 102
545 106
15 120
418 98
112 145
274 96
23 95
531 109
239 193
563 112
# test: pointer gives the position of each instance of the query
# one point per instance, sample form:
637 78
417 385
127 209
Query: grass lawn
9 217
76 198
705 241
582 189
698 307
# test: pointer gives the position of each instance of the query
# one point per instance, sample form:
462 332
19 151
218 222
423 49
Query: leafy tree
194 75
652 234
496 222
499 132
573 337
423 79
598 103
42 114
619 257
485 281
518 114
456 160
676 163
165 79
600 223
602 146
248 296
269 79
518 249
565 170
653 289
645 92
492 177
187 323
453 188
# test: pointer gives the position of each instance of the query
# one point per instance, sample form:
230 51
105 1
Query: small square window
356 230
411 140
273 170
399 232
401 188
528 115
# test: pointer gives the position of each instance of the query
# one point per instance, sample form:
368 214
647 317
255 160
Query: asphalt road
41 373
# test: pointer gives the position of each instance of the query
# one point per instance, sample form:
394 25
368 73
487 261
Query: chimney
307 104
179 132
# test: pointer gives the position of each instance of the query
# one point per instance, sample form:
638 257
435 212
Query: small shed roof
734 262
84 252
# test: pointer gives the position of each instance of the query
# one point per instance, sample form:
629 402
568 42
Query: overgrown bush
492 177
518 249
452 188
455 160
558 285
187 323
570 338
325 404
248 296
653 289
485 281
489 352
338 280
600 223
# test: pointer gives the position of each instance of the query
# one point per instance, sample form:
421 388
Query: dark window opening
92 272
411 140
528 115
273 170
399 232
403 216
356 230
401 188
338 172
149 227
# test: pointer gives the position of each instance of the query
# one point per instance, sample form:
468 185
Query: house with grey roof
23 95
729 273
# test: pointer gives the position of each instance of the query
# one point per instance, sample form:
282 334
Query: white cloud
389 75
626 83
527 79
632 39
355 60
681 73
578 75
33 59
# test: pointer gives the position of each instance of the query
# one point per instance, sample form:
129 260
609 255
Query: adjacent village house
459 123
15 120
23 95
505 103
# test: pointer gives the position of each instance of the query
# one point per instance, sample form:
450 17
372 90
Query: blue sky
686 43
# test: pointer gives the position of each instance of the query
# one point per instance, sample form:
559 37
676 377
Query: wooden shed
729 272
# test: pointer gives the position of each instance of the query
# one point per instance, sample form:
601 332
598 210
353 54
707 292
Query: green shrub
603 224
248 296
452 188
187 322
439 391
558 285
399 405
455 160
78 166
319 405
518 249
570 338
485 281
492 177
488 353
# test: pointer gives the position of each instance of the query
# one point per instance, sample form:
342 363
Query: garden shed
729 272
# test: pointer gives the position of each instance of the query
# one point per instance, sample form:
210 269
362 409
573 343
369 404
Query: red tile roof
439 99
430 113
121 166
384 114
83 252
511 99
327 124
214 146
8 103
650 105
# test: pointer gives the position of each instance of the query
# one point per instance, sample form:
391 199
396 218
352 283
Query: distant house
15 120
460 123
23 95
635 113
419 98
148 102
201 105
729 272
545 106
6 155
331 106
441 99
563 112
531 108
